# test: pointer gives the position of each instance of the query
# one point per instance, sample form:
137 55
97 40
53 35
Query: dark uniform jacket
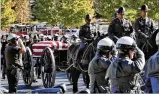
97 70
152 66
85 32
3 47
152 74
120 28
123 72
100 67
12 56
145 26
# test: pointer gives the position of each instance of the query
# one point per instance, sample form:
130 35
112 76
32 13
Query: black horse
149 48
82 65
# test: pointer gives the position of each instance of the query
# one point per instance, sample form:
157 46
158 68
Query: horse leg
75 76
87 80
39 72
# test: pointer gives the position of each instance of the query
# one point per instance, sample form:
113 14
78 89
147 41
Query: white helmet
45 37
26 37
11 36
49 37
56 35
74 35
66 36
105 44
41 35
126 43
157 39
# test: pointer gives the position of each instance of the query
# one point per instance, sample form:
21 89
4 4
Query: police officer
74 38
49 38
41 36
26 40
120 26
123 72
35 39
65 39
56 36
152 71
99 65
144 26
3 63
13 61
85 35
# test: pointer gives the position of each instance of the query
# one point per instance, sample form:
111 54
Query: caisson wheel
48 68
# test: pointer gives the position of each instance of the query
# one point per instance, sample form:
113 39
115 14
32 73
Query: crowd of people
119 60
126 70
13 46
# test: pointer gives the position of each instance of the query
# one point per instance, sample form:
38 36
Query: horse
82 65
149 47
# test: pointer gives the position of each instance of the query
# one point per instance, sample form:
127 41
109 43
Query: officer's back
123 72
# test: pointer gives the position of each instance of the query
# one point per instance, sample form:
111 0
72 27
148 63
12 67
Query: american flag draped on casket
54 45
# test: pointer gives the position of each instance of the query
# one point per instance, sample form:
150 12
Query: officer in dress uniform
99 65
144 26
120 26
56 37
26 40
13 61
3 63
85 35
74 39
152 71
41 36
123 72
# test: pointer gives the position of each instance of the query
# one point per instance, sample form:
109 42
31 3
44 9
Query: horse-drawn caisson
48 53
44 55
54 55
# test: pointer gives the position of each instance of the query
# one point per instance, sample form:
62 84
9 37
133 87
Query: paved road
60 78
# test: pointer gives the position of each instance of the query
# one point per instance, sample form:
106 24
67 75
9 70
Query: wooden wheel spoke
27 72
49 68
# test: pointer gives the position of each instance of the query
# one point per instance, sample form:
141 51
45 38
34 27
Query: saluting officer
13 60
120 26
99 65
144 26
85 34
123 72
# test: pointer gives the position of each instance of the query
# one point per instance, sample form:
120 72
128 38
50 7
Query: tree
107 8
67 12
8 15
22 9
14 11
74 11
